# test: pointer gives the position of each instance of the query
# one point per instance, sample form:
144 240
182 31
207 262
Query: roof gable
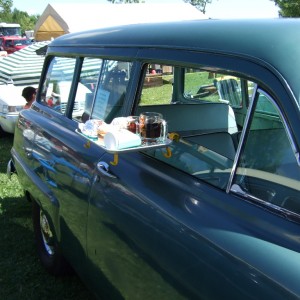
82 16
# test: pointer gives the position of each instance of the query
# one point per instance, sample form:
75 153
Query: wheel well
28 196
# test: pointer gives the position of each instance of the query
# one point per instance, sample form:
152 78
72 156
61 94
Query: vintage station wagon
211 210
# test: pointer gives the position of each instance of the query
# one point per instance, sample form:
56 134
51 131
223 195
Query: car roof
274 42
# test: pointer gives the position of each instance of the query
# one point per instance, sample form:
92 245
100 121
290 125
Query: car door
171 225
155 228
126 204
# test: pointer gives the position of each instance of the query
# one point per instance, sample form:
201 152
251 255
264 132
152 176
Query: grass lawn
21 275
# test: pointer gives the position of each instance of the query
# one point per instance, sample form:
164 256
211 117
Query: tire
2 132
47 246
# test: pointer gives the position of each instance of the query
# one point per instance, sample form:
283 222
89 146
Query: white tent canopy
24 66
59 19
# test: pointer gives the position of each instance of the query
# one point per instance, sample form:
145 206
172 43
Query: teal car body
219 218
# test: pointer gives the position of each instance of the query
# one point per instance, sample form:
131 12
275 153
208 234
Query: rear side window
206 114
268 169
209 86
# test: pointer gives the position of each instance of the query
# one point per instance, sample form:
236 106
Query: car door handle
103 168
28 151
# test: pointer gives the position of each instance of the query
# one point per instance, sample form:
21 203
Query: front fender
38 190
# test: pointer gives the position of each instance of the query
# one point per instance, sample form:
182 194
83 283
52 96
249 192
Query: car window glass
57 84
214 87
111 90
86 88
199 117
268 169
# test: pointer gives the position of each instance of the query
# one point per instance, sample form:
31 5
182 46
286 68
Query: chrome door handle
103 168
28 151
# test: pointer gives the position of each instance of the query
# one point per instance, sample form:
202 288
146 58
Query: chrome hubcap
46 234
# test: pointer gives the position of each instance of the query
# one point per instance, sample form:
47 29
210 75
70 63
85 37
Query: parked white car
11 103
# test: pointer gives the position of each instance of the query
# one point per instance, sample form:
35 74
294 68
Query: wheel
47 246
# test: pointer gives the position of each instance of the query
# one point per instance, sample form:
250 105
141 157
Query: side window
86 88
213 87
192 85
268 169
158 85
197 114
57 85
111 90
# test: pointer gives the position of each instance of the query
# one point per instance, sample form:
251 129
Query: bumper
8 122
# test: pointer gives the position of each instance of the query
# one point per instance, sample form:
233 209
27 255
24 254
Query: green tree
288 8
5 9
200 4
27 22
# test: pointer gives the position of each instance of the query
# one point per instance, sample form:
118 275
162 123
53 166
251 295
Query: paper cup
121 139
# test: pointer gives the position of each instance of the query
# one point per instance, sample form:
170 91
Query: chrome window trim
285 124
241 142
298 158
292 216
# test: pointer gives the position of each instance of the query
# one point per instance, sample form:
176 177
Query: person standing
29 93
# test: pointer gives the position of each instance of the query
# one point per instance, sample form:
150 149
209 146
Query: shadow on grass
6 142
21 274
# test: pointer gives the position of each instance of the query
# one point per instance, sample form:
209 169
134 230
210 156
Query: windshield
7 31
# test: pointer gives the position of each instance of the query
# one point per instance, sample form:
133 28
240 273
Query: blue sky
217 9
